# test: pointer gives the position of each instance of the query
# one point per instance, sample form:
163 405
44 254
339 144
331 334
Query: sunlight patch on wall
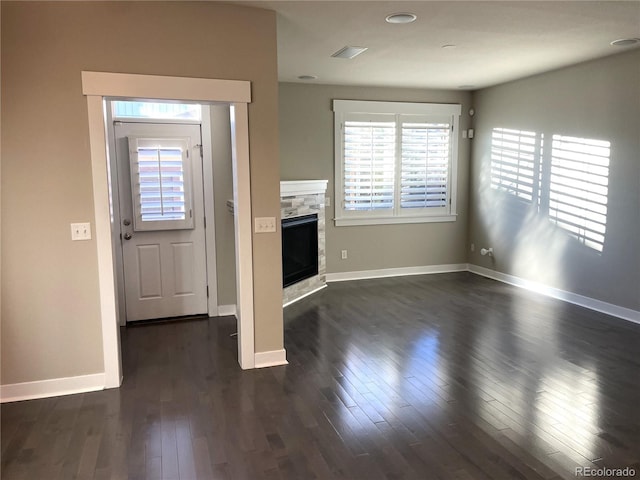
566 184
514 155
578 188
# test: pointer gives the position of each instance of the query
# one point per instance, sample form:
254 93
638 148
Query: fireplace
301 199
299 248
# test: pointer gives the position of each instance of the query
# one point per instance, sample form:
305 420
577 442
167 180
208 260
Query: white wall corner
54 387
271 359
570 297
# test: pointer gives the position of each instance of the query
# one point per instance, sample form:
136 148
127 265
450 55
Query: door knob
127 236
126 222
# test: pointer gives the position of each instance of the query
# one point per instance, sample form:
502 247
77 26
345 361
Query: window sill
348 222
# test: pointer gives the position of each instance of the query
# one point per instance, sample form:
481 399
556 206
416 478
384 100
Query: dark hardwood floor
447 376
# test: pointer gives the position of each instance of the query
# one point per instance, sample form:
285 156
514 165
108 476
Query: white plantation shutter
369 165
160 183
424 164
161 176
395 162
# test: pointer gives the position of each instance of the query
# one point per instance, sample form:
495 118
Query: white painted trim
124 85
305 295
354 221
271 359
96 86
292 188
239 116
209 212
396 272
116 247
106 280
226 310
570 297
54 387
413 108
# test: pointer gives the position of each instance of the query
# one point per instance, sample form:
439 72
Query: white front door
162 219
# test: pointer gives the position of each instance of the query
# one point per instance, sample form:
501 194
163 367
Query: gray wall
594 100
307 153
51 323
223 191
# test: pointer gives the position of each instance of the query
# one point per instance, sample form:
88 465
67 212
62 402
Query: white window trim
342 107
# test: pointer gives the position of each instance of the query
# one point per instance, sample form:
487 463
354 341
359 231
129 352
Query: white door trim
209 210
96 86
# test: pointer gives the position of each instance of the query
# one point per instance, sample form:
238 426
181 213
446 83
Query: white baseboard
587 302
396 272
305 295
54 387
270 359
226 310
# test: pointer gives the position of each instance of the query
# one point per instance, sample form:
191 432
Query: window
156 110
395 162
160 183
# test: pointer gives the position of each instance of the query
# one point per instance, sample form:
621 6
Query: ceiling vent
349 52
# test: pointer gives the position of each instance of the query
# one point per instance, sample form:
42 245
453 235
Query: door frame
98 85
208 205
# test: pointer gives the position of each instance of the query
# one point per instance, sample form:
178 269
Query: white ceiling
496 41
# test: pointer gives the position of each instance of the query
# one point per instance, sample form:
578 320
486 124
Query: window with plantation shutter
369 164
424 164
395 162
161 183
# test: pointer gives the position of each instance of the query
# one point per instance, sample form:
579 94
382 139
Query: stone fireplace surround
298 198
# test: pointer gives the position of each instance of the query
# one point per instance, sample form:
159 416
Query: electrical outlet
327 201
473 247
80 231
265 224
344 254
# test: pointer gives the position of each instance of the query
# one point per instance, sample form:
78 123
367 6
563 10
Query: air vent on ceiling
349 52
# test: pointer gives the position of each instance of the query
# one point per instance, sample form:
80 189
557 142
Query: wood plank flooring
449 376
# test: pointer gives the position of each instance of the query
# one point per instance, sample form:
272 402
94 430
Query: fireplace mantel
293 188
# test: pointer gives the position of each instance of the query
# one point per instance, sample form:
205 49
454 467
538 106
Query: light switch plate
265 224
80 231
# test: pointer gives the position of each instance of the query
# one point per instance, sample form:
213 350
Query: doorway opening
99 86
170 177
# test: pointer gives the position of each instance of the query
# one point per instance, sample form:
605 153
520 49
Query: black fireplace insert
299 248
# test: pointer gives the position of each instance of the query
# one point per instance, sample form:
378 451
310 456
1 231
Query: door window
161 183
